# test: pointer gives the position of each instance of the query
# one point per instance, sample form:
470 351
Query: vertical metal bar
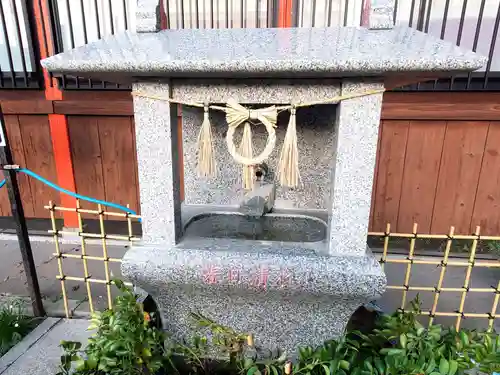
313 11
241 15
395 14
302 13
21 228
362 10
212 14
346 11
70 20
167 12
111 18
461 24
439 285
7 45
445 18
86 273
227 14
125 18
20 40
197 11
257 3
412 10
492 48
408 266
182 14
97 20
85 36
329 13
295 13
105 255
476 37
218 14
428 17
421 14
61 275
472 258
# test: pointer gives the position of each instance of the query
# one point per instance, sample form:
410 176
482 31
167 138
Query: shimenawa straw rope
236 114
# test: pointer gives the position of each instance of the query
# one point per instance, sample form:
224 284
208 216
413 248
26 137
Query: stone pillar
157 152
147 16
378 14
352 173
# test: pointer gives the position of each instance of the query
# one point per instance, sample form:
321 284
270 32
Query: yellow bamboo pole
59 260
408 266
84 256
494 308
105 255
437 292
468 273
386 244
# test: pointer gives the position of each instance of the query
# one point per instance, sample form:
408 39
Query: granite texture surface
147 16
353 168
315 133
287 297
380 14
157 152
294 52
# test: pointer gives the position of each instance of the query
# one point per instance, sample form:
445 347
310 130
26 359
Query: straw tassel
246 150
206 159
288 167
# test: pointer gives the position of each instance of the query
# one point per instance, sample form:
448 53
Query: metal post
21 229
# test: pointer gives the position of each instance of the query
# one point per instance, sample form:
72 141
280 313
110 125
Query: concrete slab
24 346
43 356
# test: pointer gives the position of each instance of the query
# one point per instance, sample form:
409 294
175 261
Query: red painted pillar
285 10
58 123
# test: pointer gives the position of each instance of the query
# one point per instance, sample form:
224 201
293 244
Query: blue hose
72 194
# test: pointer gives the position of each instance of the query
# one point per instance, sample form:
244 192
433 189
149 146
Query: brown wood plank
375 174
448 97
390 173
487 203
441 111
96 95
22 95
87 161
136 168
94 107
421 168
27 106
118 156
35 133
17 149
459 175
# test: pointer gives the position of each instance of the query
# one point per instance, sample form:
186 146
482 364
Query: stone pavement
12 280
39 353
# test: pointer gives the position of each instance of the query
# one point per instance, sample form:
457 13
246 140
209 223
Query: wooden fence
438 156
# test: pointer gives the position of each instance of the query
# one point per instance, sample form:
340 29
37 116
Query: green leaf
344 364
453 367
379 365
253 371
274 370
444 366
326 369
464 338
435 373
403 340
391 351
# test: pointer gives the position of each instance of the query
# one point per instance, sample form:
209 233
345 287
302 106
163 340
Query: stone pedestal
286 293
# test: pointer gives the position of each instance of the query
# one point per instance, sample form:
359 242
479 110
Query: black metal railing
470 24
19 56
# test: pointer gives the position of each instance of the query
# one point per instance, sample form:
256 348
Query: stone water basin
271 227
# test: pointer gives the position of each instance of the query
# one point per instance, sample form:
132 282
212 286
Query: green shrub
125 343
14 325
